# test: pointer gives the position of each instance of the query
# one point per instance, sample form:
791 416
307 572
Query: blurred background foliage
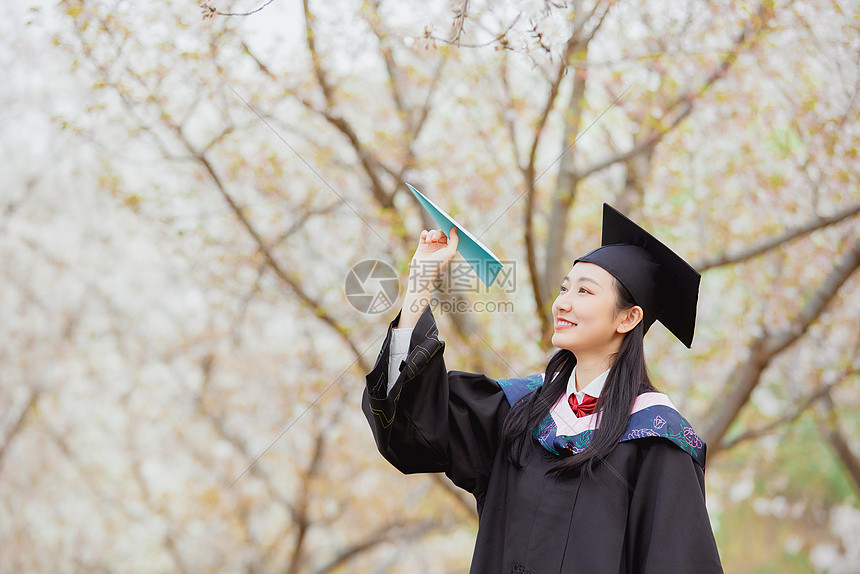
187 186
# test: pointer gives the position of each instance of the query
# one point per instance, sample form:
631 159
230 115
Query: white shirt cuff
398 351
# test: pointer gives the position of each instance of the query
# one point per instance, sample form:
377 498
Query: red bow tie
586 407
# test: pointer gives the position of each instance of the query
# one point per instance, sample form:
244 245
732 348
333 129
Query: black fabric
643 512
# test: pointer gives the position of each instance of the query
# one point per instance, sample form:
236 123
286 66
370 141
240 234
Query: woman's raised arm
435 251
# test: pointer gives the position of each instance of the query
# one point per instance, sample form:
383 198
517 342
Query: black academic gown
642 512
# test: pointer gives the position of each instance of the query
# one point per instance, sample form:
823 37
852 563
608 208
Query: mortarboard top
663 284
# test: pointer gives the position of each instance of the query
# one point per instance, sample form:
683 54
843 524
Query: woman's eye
584 290
562 288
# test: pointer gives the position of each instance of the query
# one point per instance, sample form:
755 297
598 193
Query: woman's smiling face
584 314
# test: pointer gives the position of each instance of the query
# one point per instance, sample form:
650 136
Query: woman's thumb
454 237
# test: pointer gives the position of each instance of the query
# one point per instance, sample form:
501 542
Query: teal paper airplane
484 262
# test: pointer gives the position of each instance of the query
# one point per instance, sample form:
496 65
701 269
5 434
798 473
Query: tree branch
169 537
460 15
300 517
293 283
745 376
375 22
565 189
209 11
600 20
834 435
686 101
260 65
500 38
368 161
505 106
529 175
413 131
18 425
813 397
413 122
569 177
643 145
288 279
404 530
768 244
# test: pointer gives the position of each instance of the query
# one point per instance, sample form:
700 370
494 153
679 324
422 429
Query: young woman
584 468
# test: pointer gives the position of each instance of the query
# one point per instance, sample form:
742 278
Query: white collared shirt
592 389
561 412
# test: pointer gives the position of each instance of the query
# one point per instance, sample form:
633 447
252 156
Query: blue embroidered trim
654 421
517 388
666 422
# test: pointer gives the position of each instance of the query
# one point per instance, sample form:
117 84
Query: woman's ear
629 319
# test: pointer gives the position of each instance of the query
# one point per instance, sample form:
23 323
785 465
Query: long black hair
628 377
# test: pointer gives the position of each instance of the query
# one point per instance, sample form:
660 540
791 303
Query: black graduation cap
663 284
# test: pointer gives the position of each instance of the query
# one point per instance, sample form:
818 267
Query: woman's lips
561 324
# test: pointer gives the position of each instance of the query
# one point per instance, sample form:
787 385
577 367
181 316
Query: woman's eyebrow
581 279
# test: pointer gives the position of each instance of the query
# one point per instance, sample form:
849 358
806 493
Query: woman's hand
433 254
436 249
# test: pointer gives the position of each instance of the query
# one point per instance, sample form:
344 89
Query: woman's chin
560 341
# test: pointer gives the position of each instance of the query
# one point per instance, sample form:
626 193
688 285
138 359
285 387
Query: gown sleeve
668 526
431 419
